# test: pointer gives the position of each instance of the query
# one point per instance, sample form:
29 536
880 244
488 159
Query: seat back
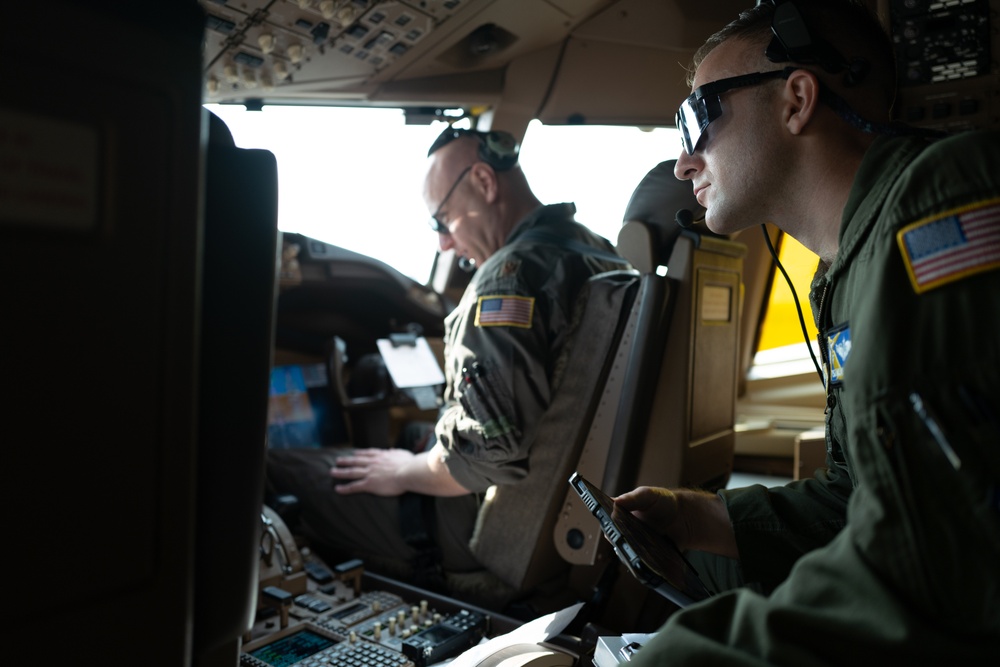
239 275
524 514
676 395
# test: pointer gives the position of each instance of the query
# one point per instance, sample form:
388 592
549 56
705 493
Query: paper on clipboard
411 365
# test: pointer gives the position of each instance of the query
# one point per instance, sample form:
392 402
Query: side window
781 348
596 166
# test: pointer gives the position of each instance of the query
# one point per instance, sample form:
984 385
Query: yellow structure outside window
781 323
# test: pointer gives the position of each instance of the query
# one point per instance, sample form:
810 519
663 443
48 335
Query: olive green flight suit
486 424
910 314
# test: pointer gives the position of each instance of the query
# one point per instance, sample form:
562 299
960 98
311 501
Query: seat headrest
660 195
650 226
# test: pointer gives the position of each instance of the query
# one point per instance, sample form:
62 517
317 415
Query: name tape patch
949 247
505 311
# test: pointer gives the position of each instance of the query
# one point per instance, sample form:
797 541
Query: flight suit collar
878 173
883 162
540 215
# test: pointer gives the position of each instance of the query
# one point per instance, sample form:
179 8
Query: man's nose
445 242
687 165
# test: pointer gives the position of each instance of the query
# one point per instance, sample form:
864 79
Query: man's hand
392 472
692 519
378 471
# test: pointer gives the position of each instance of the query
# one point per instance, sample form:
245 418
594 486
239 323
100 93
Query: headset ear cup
499 150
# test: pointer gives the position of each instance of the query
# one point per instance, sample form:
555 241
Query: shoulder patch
505 310
951 246
510 268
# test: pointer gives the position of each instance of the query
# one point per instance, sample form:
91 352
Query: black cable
795 298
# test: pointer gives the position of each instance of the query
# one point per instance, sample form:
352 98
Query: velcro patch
505 311
952 246
838 348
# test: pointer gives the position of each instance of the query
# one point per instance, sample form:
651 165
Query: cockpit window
347 176
352 177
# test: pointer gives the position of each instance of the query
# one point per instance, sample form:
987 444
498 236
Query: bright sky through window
353 177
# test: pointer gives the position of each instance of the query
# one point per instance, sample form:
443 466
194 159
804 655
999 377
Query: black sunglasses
435 222
704 105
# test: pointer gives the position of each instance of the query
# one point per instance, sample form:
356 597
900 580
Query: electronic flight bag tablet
650 556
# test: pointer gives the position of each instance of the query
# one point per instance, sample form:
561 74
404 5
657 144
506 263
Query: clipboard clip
629 650
408 339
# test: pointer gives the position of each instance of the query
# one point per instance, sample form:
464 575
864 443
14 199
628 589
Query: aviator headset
496 148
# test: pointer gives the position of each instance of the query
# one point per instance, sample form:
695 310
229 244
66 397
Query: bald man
412 513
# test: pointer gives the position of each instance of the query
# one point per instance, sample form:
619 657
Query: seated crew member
407 513
906 230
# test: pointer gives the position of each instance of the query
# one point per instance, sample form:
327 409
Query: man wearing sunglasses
412 514
890 554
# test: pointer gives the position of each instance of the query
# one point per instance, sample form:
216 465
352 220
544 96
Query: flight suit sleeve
775 526
499 365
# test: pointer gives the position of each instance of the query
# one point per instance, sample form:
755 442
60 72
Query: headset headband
496 148
793 43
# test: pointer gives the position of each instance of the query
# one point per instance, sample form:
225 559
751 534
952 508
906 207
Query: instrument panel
310 614
946 66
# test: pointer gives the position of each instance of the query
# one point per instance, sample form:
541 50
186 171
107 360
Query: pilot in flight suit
503 347
908 313
907 303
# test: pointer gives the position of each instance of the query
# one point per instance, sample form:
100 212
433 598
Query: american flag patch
946 248
505 311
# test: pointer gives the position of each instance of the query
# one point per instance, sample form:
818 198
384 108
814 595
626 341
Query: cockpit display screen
292 648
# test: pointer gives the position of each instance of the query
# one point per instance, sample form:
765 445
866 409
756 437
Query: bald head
446 163
475 205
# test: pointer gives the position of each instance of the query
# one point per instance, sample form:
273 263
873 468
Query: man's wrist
706 518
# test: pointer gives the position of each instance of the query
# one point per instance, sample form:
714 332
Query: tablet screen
654 553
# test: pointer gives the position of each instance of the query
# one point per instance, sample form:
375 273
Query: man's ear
484 180
801 98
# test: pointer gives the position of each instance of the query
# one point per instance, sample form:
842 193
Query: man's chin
714 224
724 225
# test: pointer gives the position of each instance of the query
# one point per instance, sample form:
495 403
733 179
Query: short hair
849 26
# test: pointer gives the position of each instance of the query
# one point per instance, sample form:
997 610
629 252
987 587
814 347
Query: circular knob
574 538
